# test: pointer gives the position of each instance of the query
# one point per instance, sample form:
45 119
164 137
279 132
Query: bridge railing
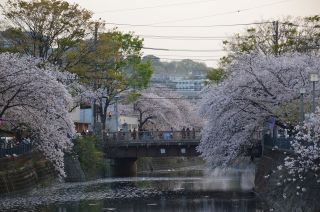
145 136
17 150
280 143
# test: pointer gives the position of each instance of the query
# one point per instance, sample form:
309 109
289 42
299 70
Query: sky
201 40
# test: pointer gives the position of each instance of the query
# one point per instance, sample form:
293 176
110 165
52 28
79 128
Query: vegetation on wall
90 156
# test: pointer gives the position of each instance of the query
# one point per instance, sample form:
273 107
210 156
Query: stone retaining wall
23 173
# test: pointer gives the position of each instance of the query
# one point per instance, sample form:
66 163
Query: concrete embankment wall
23 173
150 164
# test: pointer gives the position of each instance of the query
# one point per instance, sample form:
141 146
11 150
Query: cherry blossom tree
80 92
161 108
258 87
306 150
33 99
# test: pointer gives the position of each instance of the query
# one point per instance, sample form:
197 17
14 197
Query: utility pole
117 112
276 36
94 108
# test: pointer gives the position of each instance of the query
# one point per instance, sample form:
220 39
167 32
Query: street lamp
302 92
314 77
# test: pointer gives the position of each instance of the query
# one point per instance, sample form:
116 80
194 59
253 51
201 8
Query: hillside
185 68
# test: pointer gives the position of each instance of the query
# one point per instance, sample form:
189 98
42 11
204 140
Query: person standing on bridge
193 133
183 133
188 133
159 134
134 134
171 133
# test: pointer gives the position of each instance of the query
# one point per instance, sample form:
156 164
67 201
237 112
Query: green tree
185 68
276 38
113 66
215 74
44 28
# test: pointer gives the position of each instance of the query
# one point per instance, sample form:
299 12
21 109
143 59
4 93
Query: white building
189 85
83 119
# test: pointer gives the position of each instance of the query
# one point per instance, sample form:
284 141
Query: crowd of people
184 134
134 134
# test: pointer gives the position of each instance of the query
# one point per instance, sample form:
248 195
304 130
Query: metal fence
281 142
153 136
17 150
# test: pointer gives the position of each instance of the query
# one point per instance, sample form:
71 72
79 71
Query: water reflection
218 190
163 204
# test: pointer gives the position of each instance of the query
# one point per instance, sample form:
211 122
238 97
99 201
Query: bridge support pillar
124 167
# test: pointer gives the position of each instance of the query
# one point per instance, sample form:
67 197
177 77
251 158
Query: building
81 119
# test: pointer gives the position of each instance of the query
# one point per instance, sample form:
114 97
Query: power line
145 98
172 55
184 37
218 14
180 59
189 26
184 50
156 6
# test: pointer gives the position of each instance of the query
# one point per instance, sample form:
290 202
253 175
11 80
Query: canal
185 189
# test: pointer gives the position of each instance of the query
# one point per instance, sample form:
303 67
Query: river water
193 189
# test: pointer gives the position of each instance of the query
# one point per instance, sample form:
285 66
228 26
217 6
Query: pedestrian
83 133
129 135
140 134
151 134
134 134
188 133
159 134
171 133
183 133
193 133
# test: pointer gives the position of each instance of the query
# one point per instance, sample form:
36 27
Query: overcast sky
192 13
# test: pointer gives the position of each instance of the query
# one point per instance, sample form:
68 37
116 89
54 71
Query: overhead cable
175 55
190 26
179 59
184 50
155 6
143 98
218 14
184 36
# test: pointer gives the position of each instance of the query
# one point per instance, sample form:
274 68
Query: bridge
152 144
124 148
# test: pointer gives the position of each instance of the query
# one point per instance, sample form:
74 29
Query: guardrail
145 136
280 143
17 150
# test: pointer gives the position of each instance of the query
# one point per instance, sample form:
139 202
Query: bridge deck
158 148
151 143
